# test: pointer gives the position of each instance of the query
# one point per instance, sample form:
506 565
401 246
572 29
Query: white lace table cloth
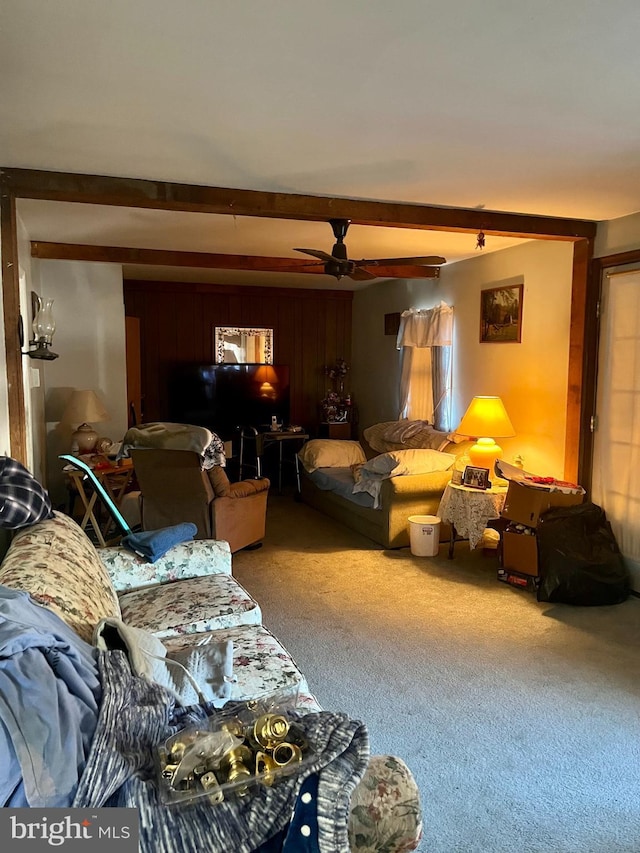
469 510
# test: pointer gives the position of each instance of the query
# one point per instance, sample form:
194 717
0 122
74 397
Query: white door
616 460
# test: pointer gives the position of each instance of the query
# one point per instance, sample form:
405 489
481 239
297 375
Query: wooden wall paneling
331 337
235 308
134 370
169 350
214 312
195 332
157 351
287 348
177 323
270 320
320 322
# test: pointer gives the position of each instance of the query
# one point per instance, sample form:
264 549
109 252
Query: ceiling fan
338 264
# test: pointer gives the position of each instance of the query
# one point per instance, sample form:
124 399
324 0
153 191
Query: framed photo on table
476 478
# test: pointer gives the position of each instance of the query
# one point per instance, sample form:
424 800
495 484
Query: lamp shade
266 373
267 377
84 407
486 416
486 419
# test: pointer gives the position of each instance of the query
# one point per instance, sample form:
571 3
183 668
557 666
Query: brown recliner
175 489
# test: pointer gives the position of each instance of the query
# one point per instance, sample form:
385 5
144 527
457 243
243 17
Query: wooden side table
114 477
468 511
339 430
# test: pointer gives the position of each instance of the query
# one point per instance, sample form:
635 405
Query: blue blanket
49 698
154 544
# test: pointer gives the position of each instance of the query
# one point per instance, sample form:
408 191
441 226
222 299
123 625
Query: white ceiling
531 108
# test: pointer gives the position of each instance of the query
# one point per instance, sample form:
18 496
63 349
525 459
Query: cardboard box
519 580
525 504
520 553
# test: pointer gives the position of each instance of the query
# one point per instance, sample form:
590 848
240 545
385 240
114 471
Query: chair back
174 489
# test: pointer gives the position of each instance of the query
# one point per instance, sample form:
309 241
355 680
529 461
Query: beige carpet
520 720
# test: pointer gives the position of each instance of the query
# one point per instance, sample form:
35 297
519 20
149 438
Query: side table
335 429
263 440
114 478
468 511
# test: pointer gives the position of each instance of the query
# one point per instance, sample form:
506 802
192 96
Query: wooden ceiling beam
165 257
203 260
163 195
404 271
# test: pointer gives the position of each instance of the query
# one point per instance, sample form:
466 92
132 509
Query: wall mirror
243 346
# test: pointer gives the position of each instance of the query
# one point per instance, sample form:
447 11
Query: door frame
591 349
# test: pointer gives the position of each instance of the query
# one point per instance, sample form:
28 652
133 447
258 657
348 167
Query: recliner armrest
245 488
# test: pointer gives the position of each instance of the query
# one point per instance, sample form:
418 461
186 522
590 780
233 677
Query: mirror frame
224 332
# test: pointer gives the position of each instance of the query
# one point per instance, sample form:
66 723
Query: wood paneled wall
311 328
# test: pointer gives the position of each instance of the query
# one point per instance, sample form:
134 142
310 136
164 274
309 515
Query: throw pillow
400 462
330 453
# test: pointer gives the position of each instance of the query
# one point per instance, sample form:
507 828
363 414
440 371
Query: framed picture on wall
501 315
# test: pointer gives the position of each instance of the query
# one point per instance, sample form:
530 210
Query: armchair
175 489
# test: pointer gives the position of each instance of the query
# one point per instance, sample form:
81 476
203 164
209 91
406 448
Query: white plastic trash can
424 535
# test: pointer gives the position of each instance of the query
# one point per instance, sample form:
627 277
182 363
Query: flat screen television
223 397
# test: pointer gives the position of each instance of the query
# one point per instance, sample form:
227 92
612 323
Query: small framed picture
501 315
476 478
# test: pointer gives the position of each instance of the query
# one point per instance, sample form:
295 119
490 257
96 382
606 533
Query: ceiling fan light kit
338 263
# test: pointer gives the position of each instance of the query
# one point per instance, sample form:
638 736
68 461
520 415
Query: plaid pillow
23 501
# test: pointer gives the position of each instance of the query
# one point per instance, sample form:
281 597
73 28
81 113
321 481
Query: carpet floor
520 720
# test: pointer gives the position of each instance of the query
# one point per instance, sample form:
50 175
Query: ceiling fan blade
358 274
317 253
427 261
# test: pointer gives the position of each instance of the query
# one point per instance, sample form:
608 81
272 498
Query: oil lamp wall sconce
43 327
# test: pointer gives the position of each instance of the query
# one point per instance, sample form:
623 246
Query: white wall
531 377
90 340
617 235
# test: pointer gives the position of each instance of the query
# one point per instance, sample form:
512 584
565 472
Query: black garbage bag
579 559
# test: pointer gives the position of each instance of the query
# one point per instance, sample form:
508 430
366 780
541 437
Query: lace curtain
425 337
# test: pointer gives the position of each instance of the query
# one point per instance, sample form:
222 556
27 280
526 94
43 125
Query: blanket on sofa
404 434
136 716
49 697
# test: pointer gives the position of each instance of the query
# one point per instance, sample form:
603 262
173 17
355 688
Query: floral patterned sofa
188 597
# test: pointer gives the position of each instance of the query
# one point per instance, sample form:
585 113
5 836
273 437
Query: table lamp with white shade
84 408
486 419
